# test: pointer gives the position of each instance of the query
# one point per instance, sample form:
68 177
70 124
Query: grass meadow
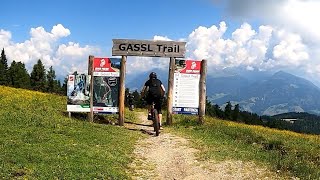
39 141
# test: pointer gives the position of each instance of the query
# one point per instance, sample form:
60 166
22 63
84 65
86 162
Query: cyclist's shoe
149 117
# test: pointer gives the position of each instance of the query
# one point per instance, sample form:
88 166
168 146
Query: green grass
290 153
38 141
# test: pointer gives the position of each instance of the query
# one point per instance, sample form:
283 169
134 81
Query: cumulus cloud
300 16
72 57
44 45
5 37
268 48
59 31
290 49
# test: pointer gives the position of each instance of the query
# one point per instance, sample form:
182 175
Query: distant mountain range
280 93
266 95
136 81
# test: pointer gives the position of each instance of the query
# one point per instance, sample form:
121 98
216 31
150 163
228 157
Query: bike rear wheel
156 124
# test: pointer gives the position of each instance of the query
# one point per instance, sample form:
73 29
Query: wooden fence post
90 72
202 93
122 90
170 90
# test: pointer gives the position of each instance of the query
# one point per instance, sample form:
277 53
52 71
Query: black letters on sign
147 48
136 47
122 47
129 47
143 47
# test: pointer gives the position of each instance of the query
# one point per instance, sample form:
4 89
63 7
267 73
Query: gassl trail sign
129 47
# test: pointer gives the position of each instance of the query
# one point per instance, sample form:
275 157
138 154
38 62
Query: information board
186 87
106 76
78 93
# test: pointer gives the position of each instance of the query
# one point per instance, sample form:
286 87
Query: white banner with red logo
186 87
106 77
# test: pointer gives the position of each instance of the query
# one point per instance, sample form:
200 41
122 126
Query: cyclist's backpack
155 88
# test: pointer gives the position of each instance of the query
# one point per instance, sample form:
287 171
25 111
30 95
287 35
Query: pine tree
4 80
64 87
210 110
11 73
137 99
59 89
52 83
126 92
218 111
38 77
227 110
236 112
18 75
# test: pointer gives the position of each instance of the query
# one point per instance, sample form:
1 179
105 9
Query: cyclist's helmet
153 75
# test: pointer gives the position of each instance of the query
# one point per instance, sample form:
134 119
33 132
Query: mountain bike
155 119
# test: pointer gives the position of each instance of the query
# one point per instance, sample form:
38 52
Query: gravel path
170 157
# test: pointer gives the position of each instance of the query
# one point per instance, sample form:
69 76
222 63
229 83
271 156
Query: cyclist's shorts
157 101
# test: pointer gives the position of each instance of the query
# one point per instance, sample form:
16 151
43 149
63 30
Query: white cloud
73 57
44 45
206 43
300 16
59 31
269 48
5 37
242 35
161 38
290 50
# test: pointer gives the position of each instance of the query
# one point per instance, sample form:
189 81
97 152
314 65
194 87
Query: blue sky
254 35
98 21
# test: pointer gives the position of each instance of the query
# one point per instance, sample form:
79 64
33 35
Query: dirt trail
170 157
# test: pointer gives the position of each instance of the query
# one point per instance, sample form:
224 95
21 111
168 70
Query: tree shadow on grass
138 124
97 118
141 128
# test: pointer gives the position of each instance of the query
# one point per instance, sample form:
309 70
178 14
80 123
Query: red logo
102 65
71 78
192 67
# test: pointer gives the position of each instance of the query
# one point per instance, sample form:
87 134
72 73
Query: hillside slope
39 142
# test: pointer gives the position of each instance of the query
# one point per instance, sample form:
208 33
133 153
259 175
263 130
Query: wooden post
122 90
90 72
202 93
170 90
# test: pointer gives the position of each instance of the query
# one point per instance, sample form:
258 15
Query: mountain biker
153 91
130 97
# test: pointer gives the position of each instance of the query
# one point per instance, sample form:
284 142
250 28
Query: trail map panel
106 78
129 47
186 87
